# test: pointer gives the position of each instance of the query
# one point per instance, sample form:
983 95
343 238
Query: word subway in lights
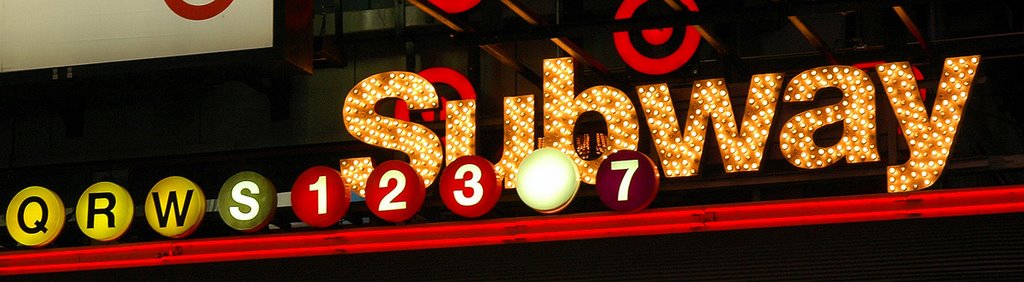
546 179
741 144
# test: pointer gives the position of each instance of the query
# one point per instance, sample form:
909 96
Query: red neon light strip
926 204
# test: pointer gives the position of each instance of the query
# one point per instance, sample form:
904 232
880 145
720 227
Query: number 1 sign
320 197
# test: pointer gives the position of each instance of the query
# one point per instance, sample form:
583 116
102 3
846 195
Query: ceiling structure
738 38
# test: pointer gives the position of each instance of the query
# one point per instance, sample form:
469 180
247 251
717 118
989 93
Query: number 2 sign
394 192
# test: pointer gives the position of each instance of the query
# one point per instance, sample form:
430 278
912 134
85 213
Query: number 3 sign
627 181
469 186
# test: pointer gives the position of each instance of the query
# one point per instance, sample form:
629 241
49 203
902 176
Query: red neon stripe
926 204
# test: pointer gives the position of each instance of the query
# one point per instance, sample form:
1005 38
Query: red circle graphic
648 65
455 6
198 12
441 75
657 36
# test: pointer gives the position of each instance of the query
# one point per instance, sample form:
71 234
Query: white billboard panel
39 34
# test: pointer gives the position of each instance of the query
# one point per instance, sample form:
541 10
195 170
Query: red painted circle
455 6
319 196
394 192
648 65
469 186
440 75
630 196
198 12
657 36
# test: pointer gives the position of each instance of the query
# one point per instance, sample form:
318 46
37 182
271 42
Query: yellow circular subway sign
175 206
35 216
104 211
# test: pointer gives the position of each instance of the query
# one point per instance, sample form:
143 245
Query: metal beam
732 64
771 11
496 51
711 39
916 32
564 43
813 39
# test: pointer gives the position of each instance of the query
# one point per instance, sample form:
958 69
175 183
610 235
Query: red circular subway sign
394 192
198 12
643 63
627 181
469 186
319 196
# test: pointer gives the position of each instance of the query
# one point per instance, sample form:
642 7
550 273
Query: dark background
138 122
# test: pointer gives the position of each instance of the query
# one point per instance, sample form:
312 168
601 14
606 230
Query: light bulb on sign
856 111
741 145
562 107
929 138
548 180
459 129
364 124
518 138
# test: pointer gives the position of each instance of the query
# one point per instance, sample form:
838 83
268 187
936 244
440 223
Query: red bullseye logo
648 65
440 75
455 6
198 12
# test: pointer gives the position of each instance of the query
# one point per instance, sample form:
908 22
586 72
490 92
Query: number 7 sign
627 181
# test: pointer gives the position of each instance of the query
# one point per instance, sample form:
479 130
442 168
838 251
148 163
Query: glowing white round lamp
547 180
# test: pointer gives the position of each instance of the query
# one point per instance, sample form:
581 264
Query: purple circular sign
627 181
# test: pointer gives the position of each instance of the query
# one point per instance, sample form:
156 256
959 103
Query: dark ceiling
752 37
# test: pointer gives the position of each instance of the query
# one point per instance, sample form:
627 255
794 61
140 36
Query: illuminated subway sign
679 149
546 179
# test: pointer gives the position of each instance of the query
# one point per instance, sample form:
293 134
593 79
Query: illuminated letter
742 146
188 211
856 110
562 107
172 200
518 138
39 225
415 140
252 203
107 211
929 138
112 202
460 131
